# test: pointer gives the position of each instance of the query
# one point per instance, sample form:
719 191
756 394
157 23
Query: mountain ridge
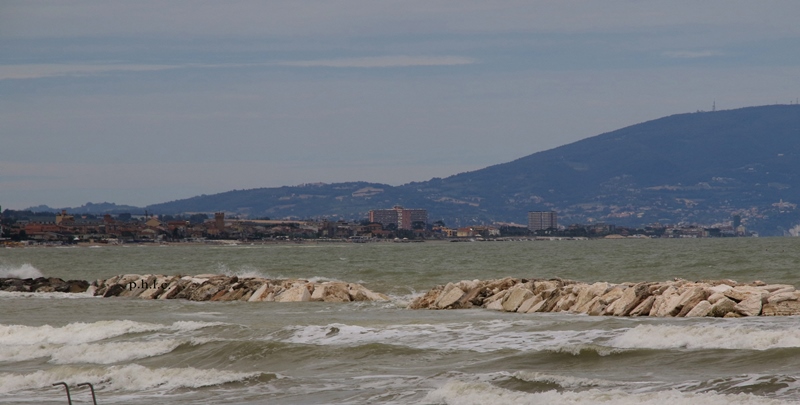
698 167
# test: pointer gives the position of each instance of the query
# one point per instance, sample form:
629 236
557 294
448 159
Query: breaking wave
738 336
478 337
26 270
132 377
480 393
79 332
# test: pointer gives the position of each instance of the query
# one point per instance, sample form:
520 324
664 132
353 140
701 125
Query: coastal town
398 224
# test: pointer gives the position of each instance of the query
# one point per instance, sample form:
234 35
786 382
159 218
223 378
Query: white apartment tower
539 220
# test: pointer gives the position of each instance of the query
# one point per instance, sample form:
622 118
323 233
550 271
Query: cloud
38 71
383 62
692 54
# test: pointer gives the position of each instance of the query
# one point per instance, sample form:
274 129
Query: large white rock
565 303
331 292
495 305
720 288
297 293
171 290
701 309
529 303
722 307
713 298
258 295
538 306
783 296
543 285
741 292
360 293
156 289
587 294
467 285
516 298
776 288
689 299
630 299
750 306
497 297
645 307
319 292
783 308
666 302
449 298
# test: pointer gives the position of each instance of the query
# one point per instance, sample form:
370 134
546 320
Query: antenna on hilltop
714 106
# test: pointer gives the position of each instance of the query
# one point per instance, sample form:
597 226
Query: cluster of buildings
397 223
125 228
400 218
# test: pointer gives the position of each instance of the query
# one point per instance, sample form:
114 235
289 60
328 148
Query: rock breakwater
677 298
203 287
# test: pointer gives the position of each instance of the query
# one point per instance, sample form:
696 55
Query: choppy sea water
181 352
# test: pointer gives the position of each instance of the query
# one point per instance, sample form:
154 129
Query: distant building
64 217
402 218
539 220
219 221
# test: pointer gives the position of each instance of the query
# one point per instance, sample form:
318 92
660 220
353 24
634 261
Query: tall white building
539 220
399 216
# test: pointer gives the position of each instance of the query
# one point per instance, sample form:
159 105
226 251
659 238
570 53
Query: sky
142 102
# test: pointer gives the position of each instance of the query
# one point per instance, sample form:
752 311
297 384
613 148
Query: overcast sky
141 102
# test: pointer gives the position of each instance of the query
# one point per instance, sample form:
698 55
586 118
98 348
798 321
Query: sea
181 352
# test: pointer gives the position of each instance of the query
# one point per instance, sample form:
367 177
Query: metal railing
69 398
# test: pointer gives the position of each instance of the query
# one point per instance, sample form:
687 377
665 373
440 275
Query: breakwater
203 287
677 298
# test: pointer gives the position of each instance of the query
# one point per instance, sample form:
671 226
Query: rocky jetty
43 284
203 287
677 298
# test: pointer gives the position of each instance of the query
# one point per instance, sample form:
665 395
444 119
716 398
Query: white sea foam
132 377
478 336
26 270
48 295
784 386
569 382
79 332
115 352
697 336
480 393
244 271
93 353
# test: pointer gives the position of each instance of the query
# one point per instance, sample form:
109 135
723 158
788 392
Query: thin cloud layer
692 54
39 71
383 62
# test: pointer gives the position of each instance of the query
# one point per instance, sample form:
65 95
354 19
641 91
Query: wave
479 393
103 353
26 270
79 332
778 385
704 336
487 336
48 295
116 352
132 377
569 382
